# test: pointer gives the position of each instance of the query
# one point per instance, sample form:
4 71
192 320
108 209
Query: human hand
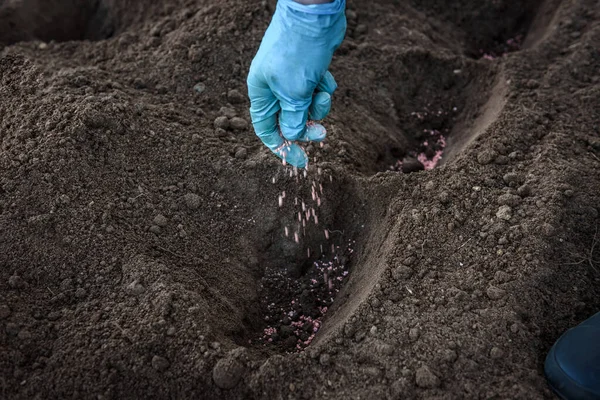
288 77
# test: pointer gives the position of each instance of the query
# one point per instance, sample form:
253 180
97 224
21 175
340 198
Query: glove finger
264 107
268 133
321 103
320 106
293 123
327 84
292 154
294 114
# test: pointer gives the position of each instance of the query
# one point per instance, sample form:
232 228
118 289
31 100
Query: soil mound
443 237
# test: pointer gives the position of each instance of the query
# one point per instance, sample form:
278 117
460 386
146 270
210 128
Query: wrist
310 2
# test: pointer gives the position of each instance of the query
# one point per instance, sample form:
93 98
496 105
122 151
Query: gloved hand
289 74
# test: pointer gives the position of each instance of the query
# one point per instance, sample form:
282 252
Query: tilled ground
145 255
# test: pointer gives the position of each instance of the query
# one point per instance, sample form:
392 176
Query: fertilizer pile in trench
144 251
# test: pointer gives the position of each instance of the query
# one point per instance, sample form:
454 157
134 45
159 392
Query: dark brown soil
143 249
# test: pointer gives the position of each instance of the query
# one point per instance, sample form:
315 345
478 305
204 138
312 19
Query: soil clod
426 379
227 372
160 363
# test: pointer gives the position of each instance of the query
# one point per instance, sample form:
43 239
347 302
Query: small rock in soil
511 177
4 311
508 199
486 156
80 293
495 293
384 348
16 282
139 84
199 87
160 363
241 153
426 379
221 122
401 389
66 284
238 124
324 359
501 276
444 198
548 229
375 302
155 31
312 353
24 335
410 164
502 160
235 97
449 355
229 112
135 288
504 213
496 353
12 329
413 334
155 229
409 260
192 201
361 29
524 190
161 220
227 372
401 273
372 372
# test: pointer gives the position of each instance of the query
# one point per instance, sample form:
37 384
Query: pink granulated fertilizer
430 151
316 299
432 163
295 307
502 49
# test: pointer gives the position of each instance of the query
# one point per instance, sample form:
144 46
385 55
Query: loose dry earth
143 251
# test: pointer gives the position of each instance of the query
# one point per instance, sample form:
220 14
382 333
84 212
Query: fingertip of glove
293 155
316 132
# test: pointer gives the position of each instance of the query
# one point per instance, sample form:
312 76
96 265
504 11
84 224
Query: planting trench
441 105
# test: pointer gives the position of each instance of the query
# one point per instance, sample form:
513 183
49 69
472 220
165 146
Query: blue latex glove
289 77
